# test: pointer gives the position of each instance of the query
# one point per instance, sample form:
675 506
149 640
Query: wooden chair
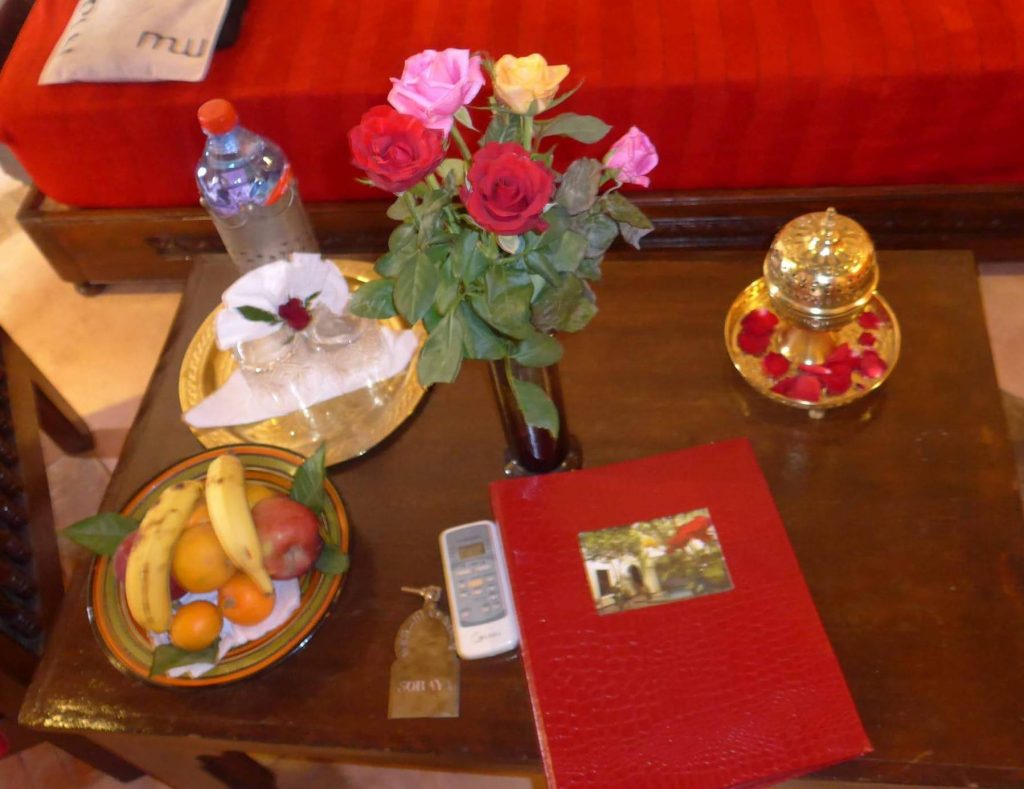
31 583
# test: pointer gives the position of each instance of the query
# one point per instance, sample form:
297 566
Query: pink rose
633 156
435 84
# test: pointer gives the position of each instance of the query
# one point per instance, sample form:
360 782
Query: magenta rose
632 156
435 84
395 150
506 191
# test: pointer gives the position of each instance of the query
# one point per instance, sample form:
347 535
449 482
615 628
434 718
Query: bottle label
281 186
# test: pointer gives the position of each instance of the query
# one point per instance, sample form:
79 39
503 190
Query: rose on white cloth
304 282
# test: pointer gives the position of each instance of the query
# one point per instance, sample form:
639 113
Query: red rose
395 150
506 190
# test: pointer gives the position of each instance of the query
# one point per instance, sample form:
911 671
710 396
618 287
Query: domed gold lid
821 270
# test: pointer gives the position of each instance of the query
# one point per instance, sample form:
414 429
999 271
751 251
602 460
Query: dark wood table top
903 511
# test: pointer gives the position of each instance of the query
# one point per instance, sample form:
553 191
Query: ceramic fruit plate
864 354
357 421
129 646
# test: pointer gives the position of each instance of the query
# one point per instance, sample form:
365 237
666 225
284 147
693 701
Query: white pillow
133 41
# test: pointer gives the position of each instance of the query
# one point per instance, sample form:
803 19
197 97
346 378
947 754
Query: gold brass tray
353 423
886 345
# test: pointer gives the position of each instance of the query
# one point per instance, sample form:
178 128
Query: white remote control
479 595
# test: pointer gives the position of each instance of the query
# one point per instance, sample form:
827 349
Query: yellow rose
520 81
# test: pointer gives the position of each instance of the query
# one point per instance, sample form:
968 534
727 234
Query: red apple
289 535
121 563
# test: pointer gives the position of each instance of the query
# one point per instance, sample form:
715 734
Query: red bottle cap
217 116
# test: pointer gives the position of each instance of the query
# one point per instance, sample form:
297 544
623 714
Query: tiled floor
100 353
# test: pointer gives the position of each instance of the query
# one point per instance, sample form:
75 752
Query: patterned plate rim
324 588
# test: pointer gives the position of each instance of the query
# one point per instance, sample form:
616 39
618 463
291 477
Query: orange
242 601
199 563
195 626
199 515
255 493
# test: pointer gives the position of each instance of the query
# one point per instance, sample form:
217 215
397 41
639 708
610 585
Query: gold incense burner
814 332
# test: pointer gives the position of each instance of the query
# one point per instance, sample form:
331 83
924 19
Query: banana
232 519
147 582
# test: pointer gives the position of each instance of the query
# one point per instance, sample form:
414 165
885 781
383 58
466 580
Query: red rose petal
842 353
754 344
866 338
869 320
806 387
294 313
784 386
815 369
872 365
775 365
759 322
838 381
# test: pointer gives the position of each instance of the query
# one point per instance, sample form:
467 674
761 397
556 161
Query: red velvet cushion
735 93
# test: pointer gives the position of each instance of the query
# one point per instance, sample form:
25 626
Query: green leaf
441 356
585 128
538 350
474 264
256 314
374 299
332 560
572 248
478 339
168 656
632 234
101 533
566 307
507 304
510 244
590 268
503 127
401 236
463 117
454 168
540 263
535 405
308 483
600 231
447 289
622 210
309 299
390 264
578 190
416 288
399 210
431 318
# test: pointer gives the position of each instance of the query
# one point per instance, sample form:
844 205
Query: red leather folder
735 688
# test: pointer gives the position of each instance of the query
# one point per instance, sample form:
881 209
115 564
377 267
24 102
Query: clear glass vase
530 449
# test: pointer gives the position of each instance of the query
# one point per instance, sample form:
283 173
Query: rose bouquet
496 250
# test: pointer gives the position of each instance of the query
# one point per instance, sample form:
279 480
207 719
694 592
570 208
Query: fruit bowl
129 645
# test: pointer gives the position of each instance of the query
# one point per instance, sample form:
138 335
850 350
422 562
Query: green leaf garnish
256 314
308 483
332 560
101 533
374 299
168 656
309 299
535 405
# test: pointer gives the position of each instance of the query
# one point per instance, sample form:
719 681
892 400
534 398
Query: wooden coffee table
903 511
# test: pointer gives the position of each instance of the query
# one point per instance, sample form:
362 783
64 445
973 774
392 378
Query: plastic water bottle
247 185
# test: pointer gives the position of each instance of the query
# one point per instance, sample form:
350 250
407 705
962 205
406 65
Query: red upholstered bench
908 114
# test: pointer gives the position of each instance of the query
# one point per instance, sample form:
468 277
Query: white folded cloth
132 41
269 286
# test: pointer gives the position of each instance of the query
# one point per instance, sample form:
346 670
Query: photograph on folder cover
652 562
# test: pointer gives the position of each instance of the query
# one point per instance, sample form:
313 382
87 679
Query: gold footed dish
803 368
355 422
